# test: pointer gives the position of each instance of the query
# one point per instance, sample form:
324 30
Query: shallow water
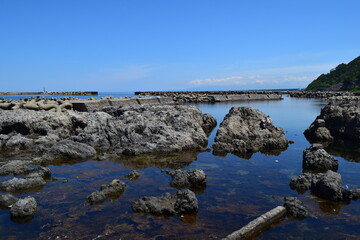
237 191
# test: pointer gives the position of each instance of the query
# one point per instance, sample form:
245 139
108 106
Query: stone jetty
215 96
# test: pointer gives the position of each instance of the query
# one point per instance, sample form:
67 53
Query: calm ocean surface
238 190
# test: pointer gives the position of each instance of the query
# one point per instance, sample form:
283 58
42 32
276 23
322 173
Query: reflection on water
348 150
237 191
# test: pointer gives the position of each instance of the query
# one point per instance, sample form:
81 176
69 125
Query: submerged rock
113 190
190 178
336 122
133 175
295 208
247 130
6 200
167 204
315 158
24 208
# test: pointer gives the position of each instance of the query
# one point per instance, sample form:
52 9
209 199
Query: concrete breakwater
69 93
80 105
216 96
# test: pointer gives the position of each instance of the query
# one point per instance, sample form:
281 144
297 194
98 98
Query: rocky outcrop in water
166 205
246 130
325 185
133 175
295 208
6 200
335 122
120 131
190 178
24 208
113 190
315 158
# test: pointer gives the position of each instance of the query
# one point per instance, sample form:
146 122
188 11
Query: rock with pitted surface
295 208
167 204
190 178
315 158
325 185
336 122
247 130
24 208
121 131
113 190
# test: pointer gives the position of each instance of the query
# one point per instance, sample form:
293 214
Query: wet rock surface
34 178
24 208
190 178
6 200
113 190
122 131
335 122
167 204
295 208
325 185
315 158
133 175
248 130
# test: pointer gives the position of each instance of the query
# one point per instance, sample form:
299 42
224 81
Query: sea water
237 191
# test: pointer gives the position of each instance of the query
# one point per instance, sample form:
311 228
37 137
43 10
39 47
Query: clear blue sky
118 45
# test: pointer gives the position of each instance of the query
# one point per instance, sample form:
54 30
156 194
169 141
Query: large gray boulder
247 130
179 203
24 208
315 158
336 122
122 131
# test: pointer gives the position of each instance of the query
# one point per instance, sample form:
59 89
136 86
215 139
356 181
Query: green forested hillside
345 77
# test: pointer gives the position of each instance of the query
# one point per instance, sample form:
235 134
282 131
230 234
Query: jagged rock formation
246 130
335 121
120 131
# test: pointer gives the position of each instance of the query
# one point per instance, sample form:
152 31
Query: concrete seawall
95 105
216 96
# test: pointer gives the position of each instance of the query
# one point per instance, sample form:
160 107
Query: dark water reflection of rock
345 149
175 160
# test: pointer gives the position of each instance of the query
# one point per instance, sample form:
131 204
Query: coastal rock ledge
335 122
120 131
246 130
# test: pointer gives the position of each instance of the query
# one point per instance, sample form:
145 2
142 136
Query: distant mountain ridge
345 77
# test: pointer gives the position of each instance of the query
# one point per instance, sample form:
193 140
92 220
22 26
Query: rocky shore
336 121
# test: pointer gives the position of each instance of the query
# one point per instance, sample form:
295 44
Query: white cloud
295 75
